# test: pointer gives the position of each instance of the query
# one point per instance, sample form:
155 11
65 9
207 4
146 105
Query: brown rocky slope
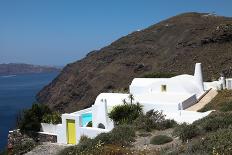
173 45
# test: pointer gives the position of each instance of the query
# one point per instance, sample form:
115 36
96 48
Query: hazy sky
57 32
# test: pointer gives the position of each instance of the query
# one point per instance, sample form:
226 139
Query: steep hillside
173 45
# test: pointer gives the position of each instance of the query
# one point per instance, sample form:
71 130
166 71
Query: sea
17 92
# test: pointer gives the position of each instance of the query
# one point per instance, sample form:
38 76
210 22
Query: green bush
31 118
186 132
215 121
125 113
143 123
219 142
144 134
53 118
121 135
24 147
226 106
153 120
160 139
159 75
84 138
166 124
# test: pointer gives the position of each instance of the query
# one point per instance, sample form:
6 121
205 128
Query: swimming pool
86 118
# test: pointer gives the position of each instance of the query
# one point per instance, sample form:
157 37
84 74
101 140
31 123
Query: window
101 126
163 88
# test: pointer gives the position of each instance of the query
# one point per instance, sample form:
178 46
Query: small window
101 126
163 88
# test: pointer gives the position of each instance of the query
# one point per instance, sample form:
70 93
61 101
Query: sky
57 32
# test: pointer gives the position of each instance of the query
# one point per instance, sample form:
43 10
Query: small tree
131 97
53 118
32 118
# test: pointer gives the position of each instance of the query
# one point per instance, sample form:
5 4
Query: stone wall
43 137
19 143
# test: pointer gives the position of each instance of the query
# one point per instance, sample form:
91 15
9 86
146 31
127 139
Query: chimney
198 76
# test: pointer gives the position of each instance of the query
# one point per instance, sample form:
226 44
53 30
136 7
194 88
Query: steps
203 101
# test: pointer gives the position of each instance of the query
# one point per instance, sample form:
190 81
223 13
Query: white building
170 95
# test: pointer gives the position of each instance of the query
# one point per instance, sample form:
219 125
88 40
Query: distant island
21 68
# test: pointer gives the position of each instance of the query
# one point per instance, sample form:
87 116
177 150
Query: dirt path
47 149
205 100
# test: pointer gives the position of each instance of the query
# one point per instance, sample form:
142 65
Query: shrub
143 122
215 121
125 113
160 139
144 134
226 106
153 120
218 142
166 124
54 118
186 132
221 102
121 135
24 147
159 75
31 118
84 138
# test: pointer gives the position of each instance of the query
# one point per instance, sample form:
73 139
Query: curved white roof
112 99
188 83
145 81
177 84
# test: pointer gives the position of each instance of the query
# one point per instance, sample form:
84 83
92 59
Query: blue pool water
17 93
86 118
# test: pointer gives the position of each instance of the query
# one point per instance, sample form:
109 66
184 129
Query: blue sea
17 92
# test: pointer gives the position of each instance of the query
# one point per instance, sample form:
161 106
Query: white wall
229 84
215 85
49 128
87 110
62 130
100 115
186 116
89 132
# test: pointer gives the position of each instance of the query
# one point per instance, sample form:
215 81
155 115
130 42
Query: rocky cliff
173 45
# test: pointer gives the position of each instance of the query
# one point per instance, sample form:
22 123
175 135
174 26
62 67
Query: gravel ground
47 149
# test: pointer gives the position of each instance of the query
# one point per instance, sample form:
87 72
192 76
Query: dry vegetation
222 102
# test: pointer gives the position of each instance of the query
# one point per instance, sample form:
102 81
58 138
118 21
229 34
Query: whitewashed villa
170 95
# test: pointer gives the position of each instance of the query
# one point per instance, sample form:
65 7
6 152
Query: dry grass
222 102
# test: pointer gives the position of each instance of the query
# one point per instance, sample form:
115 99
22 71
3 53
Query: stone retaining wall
16 140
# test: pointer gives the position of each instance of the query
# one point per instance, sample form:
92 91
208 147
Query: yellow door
71 131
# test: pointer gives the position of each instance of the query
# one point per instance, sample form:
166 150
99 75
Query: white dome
111 99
